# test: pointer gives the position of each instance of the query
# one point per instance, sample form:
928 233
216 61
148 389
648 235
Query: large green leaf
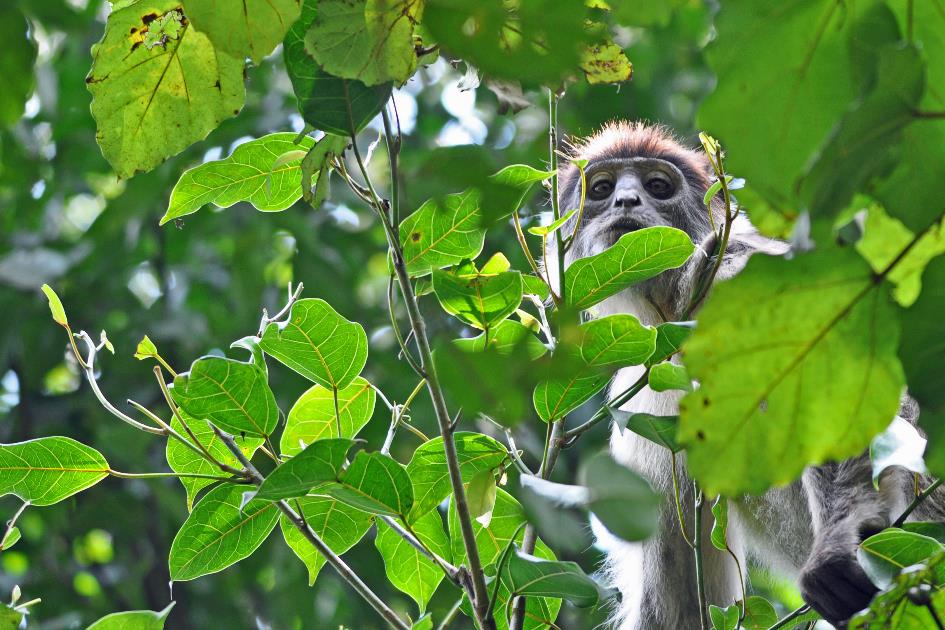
374 483
430 477
442 232
800 88
158 85
133 620
616 341
231 394
219 532
339 525
16 64
529 575
796 361
478 299
491 541
885 554
330 103
251 173
509 336
635 257
622 500
184 460
923 345
321 461
318 343
251 29
312 417
556 398
371 41
408 569
47 470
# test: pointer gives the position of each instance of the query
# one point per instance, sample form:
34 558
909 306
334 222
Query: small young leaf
47 470
479 300
759 614
318 343
480 495
720 524
429 474
10 538
251 173
374 483
339 525
407 569
146 349
312 417
605 62
659 429
666 376
551 228
724 618
636 256
321 461
231 394
218 533
133 620
899 445
526 574
55 306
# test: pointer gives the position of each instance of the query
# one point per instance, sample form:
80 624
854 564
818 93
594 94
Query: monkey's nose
627 199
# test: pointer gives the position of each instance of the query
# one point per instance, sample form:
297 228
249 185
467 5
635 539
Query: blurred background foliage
65 219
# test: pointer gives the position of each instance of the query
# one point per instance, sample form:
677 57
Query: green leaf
427 468
47 470
423 623
375 483
16 64
312 417
231 394
622 500
719 524
409 570
252 29
10 538
480 495
658 429
512 185
556 398
813 82
330 103
635 257
866 142
316 160
930 529
531 41
922 349
605 62
158 85
318 343
218 533
491 542
669 339
339 525
885 554
321 461
55 306
133 620
616 341
759 614
796 365
550 508
368 40
184 460
551 228
644 12
666 376
250 173
146 349
899 445
442 232
724 618
480 300
532 576
509 336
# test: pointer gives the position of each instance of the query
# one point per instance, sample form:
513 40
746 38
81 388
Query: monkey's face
628 194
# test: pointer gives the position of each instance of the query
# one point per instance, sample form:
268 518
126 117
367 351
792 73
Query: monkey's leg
657 578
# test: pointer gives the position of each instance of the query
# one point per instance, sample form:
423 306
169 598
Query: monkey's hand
832 581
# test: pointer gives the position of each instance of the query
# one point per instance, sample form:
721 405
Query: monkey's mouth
621 226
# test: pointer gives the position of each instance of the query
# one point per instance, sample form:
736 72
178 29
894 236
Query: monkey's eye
601 187
659 187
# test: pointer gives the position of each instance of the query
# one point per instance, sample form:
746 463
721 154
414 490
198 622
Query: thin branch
292 299
697 553
787 620
604 412
922 496
159 475
299 522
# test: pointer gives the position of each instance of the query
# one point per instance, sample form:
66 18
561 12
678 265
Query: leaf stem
697 552
603 412
298 521
12 522
159 475
785 621
922 496
555 209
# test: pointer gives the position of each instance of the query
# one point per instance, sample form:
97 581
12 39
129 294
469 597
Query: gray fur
808 530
